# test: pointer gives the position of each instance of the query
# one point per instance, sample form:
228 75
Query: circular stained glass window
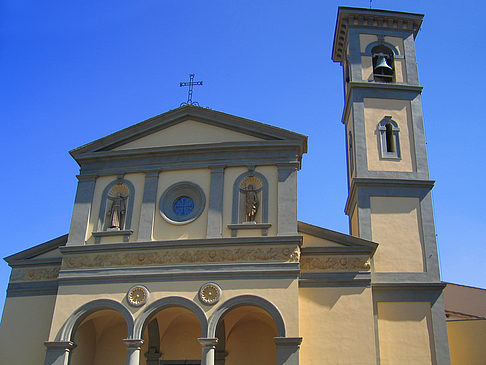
182 203
183 206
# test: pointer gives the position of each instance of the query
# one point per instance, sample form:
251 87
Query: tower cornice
373 18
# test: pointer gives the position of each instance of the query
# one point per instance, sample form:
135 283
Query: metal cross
191 84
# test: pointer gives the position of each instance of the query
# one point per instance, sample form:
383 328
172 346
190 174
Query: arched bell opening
246 336
99 339
171 337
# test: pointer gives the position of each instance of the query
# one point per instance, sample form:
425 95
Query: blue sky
76 71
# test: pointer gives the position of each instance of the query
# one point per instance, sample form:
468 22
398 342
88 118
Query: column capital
287 341
58 345
208 342
133 343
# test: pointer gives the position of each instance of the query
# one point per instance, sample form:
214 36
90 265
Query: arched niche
116 210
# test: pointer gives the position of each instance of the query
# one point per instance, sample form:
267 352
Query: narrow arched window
389 138
383 64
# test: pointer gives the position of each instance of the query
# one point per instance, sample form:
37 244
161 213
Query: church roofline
174 116
338 237
37 250
370 18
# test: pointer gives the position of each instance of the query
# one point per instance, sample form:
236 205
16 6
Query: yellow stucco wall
200 133
251 342
20 343
337 326
281 292
467 339
313 241
400 111
395 226
404 333
164 230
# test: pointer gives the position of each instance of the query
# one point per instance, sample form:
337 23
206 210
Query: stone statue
117 212
251 203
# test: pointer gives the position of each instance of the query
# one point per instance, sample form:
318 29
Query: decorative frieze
35 274
181 256
316 263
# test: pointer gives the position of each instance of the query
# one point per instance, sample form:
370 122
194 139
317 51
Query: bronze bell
381 63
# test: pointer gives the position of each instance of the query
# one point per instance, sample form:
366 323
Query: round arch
370 46
242 300
70 326
158 305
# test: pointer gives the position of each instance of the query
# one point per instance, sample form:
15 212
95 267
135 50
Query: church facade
185 248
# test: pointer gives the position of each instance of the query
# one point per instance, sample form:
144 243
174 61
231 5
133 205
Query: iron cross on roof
191 84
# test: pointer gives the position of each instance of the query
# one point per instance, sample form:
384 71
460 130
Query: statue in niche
117 213
251 203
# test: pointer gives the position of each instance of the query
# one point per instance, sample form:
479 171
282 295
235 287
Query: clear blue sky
76 71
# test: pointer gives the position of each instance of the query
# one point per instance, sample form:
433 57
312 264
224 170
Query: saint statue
251 203
117 212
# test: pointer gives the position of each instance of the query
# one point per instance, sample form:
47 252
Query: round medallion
137 296
209 293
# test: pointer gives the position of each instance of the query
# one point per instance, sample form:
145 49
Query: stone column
288 350
287 200
58 352
208 345
81 210
133 355
147 213
215 212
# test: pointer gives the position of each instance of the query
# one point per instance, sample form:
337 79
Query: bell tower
389 192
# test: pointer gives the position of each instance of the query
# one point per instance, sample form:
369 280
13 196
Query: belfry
185 248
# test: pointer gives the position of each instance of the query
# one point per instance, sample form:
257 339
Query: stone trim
287 341
25 289
37 250
196 243
67 331
215 208
147 211
249 271
334 279
235 227
338 237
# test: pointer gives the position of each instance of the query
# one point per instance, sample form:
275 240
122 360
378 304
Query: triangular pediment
333 242
190 125
187 132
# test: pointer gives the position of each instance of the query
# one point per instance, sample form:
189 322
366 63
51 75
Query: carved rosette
316 263
210 293
137 296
